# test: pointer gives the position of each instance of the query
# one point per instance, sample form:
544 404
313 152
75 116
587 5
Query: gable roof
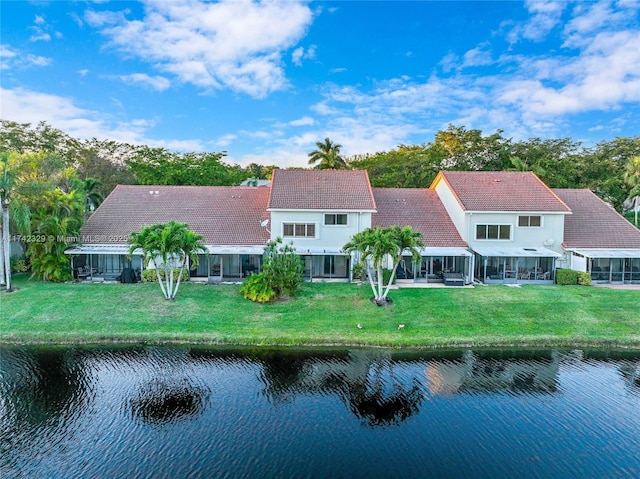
224 215
419 208
501 191
595 224
343 190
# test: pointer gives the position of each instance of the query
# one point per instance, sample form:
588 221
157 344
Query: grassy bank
323 314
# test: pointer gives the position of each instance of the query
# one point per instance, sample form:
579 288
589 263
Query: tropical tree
281 274
6 187
375 245
328 156
168 245
54 227
632 178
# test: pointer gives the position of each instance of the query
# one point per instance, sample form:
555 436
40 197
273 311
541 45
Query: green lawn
322 314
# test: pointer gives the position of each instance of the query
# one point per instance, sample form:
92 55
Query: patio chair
524 274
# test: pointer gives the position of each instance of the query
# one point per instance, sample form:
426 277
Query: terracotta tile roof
595 224
321 189
501 191
223 215
419 208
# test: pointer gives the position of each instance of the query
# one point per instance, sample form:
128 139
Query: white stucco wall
330 237
549 235
456 213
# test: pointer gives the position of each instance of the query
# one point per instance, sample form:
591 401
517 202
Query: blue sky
266 80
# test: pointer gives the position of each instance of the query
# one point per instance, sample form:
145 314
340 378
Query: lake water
179 412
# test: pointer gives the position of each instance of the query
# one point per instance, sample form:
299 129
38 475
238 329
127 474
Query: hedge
571 277
149 275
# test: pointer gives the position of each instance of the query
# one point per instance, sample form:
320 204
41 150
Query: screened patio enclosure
325 267
103 263
609 265
515 265
228 264
434 263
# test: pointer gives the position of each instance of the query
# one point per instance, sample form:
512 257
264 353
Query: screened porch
517 265
434 264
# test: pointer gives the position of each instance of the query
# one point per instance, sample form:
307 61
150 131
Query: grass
322 314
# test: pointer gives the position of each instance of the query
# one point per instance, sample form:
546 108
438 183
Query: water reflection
197 412
476 374
161 402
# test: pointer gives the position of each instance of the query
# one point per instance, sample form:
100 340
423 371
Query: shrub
19 265
386 276
149 275
584 278
566 277
258 288
281 274
358 272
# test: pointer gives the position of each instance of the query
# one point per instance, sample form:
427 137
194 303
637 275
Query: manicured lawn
322 314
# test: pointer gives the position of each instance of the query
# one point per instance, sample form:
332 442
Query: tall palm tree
407 241
171 242
375 245
6 187
632 178
328 156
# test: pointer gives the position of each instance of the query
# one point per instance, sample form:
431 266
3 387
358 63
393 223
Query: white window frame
339 225
306 227
499 225
529 221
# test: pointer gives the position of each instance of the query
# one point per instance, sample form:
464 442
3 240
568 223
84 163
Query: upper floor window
299 230
493 232
530 221
335 219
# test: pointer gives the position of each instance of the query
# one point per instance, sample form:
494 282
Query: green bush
566 277
386 276
358 272
19 265
149 275
584 278
257 287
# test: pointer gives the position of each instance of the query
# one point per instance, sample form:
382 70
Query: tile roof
223 215
321 189
419 208
595 224
501 191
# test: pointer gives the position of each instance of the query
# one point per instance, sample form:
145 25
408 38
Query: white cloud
27 106
16 59
545 16
300 54
156 82
590 18
478 56
304 121
296 56
228 44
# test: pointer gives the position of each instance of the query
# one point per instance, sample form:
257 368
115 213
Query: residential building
491 227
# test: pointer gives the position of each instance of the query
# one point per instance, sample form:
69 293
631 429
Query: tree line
50 182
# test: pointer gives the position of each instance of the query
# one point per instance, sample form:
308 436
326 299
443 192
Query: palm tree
375 245
632 178
6 187
407 241
328 155
169 243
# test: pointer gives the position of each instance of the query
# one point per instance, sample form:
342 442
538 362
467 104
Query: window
530 221
335 219
299 230
493 232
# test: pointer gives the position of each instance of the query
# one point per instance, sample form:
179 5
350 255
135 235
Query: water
179 412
